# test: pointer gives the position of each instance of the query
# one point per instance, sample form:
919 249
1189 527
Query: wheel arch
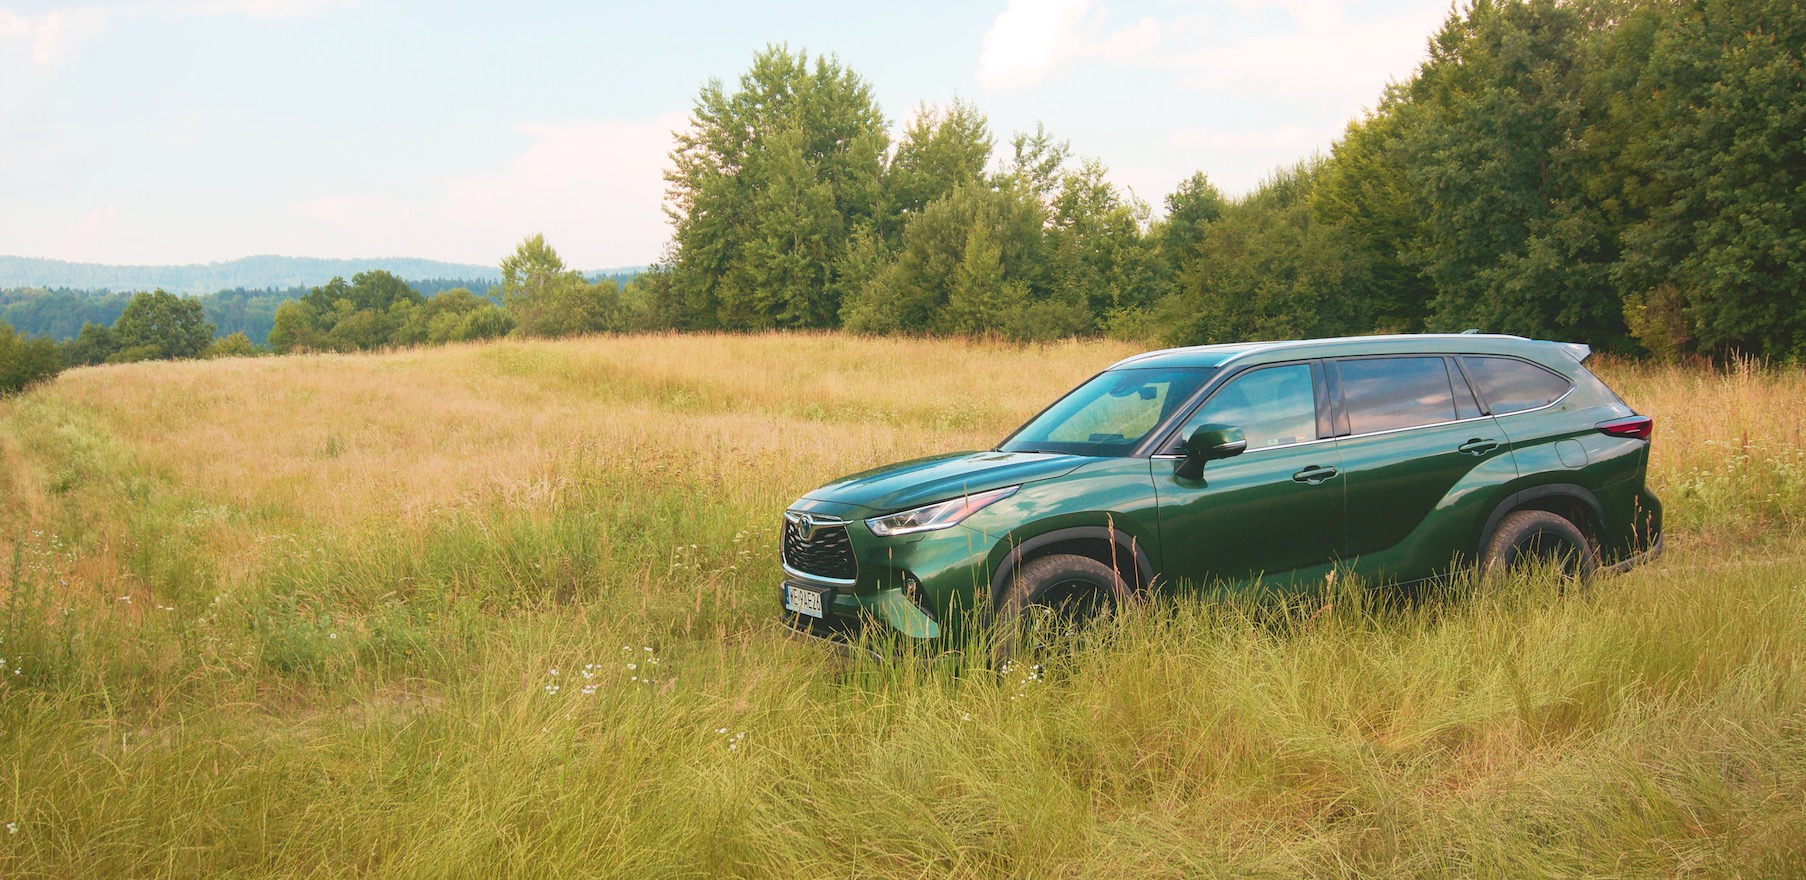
1577 504
1111 546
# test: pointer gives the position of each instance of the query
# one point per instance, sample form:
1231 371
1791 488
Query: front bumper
847 614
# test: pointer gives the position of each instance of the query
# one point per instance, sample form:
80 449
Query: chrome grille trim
818 547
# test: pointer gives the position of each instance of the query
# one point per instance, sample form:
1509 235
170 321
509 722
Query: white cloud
1317 51
594 188
1031 39
53 37
88 234
50 37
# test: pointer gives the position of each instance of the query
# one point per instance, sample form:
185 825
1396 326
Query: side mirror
1209 443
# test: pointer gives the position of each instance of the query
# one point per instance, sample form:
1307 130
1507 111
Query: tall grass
509 609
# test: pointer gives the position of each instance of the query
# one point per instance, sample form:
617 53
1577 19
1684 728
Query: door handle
1314 474
1477 446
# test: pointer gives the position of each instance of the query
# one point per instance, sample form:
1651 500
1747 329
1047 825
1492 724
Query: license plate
805 600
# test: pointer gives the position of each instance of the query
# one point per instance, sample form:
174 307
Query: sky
192 131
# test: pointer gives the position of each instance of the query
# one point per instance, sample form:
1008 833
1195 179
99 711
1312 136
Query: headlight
936 516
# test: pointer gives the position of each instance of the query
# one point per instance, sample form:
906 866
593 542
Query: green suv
1391 457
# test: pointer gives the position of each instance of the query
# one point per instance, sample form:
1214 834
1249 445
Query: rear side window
1384 394
1509 385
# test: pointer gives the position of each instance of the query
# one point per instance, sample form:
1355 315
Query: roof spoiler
1579 351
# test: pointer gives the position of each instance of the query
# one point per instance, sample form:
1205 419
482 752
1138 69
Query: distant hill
52 298
249 273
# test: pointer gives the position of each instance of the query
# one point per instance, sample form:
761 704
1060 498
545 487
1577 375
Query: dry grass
297 616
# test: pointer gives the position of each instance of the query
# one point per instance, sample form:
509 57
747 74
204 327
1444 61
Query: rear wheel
1052 600
1529 538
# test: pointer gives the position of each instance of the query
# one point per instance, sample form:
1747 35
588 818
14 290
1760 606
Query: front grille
828 552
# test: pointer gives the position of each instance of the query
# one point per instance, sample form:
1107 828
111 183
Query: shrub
24 361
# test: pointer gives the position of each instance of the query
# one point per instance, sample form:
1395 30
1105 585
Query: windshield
1111 414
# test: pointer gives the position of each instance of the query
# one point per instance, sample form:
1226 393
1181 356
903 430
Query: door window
1385 394
1510 385
1274 406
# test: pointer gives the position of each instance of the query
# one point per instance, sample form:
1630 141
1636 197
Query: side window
1274 406
1511 385
1383 394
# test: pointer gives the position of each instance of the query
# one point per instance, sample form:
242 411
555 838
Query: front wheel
1527 538
1051 601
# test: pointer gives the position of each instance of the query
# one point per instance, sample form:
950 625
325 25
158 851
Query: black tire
1530 537
1051 600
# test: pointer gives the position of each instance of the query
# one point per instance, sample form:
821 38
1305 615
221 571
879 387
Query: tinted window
1387 393
1109 415
1274 406
1510 385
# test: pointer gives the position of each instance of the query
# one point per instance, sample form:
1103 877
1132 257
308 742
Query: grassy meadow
508 610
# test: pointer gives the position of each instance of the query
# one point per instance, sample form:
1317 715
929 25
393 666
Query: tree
972 262
161 326
1269 269
454 315
94 345
1492 131
233 345
1190 209
1363 194
942 148
1102 261
1708 100
25 362
1038 161
546 299
768 184
360 315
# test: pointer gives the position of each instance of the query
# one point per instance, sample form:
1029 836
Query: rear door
1415 452
1275 509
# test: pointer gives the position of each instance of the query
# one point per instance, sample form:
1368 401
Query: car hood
927 480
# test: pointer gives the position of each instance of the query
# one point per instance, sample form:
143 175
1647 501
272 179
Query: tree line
1629 173
538 296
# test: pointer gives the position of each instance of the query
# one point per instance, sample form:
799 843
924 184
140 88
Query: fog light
912 589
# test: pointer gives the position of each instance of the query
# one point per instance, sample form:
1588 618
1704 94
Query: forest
1626 173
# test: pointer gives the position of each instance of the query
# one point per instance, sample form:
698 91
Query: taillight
1631 427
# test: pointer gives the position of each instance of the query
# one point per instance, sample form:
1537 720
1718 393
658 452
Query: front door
1274 512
